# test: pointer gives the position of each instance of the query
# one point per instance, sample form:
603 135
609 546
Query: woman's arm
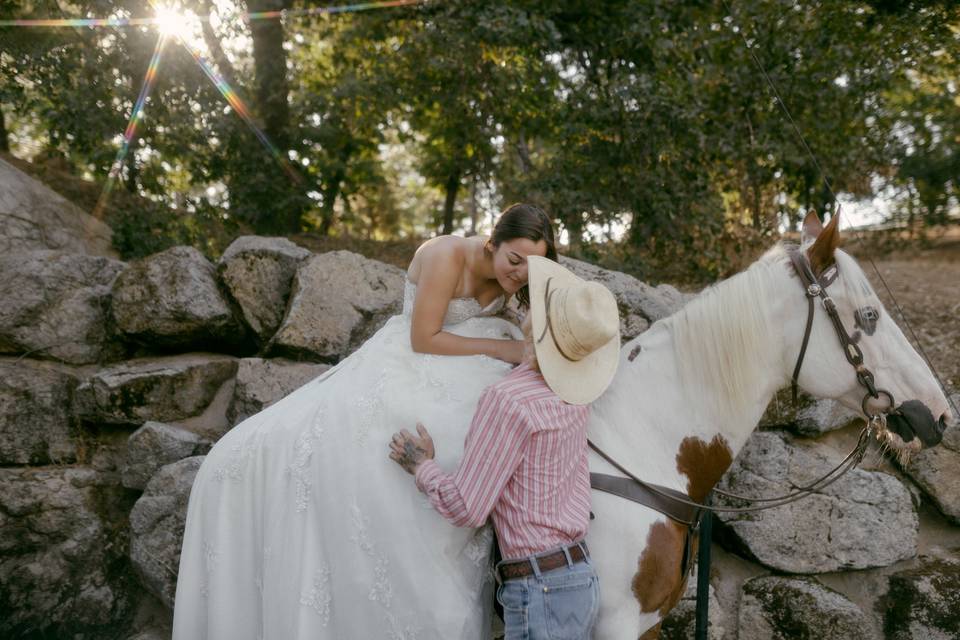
440 269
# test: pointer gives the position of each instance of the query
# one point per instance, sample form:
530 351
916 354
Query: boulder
163 389
155 445
865 519
262 382
35 413
258 273
924 602
937 472
63 567
339 299
157 522
778 608
56 305
172 300
33 216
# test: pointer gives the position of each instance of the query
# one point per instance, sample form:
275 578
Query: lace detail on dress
320 596
458 309
381 590
299 468
370 404
209 564
442 385
239 456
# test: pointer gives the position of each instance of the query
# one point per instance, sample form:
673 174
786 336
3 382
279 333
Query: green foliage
646 116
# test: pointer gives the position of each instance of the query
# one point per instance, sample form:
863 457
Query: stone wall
116 378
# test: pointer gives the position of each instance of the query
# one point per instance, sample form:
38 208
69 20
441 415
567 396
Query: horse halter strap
817 288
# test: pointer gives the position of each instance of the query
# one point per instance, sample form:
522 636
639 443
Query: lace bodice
458 310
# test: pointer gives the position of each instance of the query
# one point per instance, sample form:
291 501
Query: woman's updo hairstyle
528 221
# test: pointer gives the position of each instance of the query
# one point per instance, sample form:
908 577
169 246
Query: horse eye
866 318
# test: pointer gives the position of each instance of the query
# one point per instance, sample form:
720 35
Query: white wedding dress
300 527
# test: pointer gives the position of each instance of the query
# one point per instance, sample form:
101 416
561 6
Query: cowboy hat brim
576 382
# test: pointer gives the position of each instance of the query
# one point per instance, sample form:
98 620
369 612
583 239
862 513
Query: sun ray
135 117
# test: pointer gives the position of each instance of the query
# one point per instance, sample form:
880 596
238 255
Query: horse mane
720 335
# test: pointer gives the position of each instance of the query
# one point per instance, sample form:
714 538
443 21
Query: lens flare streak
238 105
135 117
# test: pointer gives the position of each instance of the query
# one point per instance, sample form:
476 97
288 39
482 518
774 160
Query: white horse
691 389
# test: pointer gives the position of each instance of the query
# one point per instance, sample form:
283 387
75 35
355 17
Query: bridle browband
679 507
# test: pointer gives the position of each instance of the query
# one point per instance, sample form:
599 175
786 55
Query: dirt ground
927 288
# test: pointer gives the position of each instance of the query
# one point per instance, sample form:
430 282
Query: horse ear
811 228
821 253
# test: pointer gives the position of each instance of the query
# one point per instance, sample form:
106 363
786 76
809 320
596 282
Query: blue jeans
560 604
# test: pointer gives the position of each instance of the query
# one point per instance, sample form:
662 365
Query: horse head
895 387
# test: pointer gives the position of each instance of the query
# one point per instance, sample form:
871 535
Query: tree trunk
270 67
523 152
474 213
226 69
330 195
4 143
573 222
453 185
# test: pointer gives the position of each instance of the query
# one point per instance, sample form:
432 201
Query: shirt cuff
427 474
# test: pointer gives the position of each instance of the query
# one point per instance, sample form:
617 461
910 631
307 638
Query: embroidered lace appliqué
319 597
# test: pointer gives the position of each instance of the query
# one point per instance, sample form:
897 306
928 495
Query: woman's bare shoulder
443 252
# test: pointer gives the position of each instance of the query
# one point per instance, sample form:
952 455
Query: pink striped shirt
524 464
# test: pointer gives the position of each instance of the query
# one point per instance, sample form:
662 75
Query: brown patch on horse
703 464
657 585
634 353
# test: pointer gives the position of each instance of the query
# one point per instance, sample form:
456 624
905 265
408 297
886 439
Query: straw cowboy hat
576 331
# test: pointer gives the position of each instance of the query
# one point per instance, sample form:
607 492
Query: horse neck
681 423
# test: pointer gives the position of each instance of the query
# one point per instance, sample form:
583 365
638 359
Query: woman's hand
511 351
409 451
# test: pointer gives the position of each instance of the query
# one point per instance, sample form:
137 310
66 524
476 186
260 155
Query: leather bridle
816 287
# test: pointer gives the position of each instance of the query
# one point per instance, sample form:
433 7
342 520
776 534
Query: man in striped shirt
525 457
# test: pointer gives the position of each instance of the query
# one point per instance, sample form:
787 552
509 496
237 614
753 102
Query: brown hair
528 221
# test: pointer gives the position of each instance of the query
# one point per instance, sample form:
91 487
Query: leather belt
521 568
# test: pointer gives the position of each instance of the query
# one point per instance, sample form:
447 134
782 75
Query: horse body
691 389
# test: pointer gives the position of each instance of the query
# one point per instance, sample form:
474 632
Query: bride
298 525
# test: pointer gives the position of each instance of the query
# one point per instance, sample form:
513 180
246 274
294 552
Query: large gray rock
163 389
262 382
155 445
55 305
865 519
35 413
339 299
779 608
157 523
33 216
809 417
640 304
63 536
258 273
924 602
937 472
173 299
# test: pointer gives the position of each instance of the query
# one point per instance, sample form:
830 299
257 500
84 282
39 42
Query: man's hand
409 451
